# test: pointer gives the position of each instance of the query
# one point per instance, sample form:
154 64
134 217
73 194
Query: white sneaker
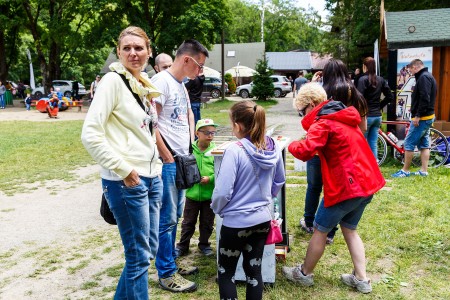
295 274
362 286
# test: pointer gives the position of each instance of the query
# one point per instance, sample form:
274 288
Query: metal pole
262 21
223 65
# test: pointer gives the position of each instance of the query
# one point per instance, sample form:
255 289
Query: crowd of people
137 126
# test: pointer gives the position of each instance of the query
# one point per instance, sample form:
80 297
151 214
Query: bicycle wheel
439 150
381 150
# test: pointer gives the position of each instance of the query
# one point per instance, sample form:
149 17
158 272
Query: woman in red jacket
350 176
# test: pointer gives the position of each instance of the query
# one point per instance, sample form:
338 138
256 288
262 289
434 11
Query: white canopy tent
241 71
209 72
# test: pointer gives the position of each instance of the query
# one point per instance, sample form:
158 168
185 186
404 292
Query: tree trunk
3 64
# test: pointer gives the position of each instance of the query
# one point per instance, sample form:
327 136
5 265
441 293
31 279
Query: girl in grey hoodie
251 174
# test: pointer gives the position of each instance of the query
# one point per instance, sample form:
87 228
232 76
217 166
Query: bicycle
439 149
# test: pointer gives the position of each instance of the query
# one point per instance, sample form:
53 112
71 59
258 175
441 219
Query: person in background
350 175
2 95
371 87
356 76
50 94
53 106
250 176
176 132
162 62
423 99
94 85
58 93
28 101
198 197
195 88
299 82
21 89
75 90
120 135
291 81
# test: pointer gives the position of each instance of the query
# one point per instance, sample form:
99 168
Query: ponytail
252 117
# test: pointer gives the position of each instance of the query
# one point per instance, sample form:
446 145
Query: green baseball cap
205 122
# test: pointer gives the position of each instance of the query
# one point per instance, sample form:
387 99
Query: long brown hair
339 86
253 118
369 62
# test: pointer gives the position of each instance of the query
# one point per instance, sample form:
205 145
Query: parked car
65 87
214 86
281 85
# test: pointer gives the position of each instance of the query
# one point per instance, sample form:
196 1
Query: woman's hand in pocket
132 179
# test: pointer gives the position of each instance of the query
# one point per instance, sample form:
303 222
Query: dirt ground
54 244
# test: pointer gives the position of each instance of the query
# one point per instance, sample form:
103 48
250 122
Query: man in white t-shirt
176 127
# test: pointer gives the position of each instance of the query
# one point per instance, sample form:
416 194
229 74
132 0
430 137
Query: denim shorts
418 136
346 213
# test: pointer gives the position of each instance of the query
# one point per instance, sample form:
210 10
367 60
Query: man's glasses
208 133
199 65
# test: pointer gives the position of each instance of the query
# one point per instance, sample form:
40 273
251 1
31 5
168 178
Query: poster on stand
406 82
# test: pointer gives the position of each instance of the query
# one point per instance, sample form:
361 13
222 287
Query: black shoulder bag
105 211
188 173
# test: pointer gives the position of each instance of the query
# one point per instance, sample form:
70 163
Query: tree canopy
72 38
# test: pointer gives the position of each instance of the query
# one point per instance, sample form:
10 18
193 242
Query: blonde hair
310 93
253 118
136 31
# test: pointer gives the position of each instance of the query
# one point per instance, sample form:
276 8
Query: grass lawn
405 229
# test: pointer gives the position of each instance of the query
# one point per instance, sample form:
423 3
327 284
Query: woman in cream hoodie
119 133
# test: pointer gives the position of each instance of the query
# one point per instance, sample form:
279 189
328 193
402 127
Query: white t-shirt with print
173 120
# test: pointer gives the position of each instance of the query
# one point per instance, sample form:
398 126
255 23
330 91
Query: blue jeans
136 210
2 100
28 106
195 106
171 211
418 136
371 135
313 190
347 213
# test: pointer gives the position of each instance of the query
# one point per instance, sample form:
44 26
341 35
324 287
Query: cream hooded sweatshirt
116 130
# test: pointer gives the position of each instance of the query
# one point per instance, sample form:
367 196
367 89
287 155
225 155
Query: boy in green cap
198 197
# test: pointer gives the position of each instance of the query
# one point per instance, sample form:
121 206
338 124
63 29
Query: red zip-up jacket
349 169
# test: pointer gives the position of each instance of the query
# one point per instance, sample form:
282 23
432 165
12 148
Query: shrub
231 84
262 83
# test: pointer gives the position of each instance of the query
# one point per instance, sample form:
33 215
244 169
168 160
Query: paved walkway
284 116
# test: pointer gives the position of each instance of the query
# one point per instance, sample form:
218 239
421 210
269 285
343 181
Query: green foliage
262 83
286 27
309 76
231 84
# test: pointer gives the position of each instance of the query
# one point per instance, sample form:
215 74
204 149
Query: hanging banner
406 82
32 83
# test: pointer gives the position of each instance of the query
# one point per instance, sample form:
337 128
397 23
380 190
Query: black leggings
250 241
